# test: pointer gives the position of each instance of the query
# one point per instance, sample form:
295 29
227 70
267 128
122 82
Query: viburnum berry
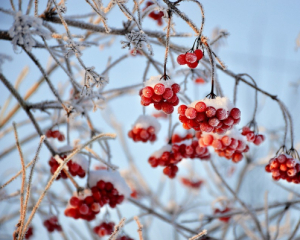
284 167
251 136
196 184
199 54
55 134
155 15
104 229
163 94
144 129
192 65
212 115
29 233
52 224
231 146
190 57
223 219
199 80
181 59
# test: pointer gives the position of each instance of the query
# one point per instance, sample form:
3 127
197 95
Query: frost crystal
23 28
137 40
91 76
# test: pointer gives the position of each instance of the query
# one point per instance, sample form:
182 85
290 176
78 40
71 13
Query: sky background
262 43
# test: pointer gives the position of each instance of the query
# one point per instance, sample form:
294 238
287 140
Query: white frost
233 133
110 176
218 102
145 121
156 79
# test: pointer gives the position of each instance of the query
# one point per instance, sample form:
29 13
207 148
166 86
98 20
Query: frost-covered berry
181 59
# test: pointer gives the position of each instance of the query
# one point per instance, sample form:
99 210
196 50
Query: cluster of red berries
104 228
87 208
55 134
163 98
52 224
170 155
225 146
284 167
190 58
29 233
74 168
207 118
223 219
191 184
142 135
155 15
124 238
257 139
176 138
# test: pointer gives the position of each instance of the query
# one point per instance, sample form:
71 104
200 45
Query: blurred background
262 42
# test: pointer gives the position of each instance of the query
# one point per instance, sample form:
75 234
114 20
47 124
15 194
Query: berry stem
165 76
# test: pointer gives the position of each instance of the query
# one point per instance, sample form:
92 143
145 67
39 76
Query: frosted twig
117 229
140 227
200 234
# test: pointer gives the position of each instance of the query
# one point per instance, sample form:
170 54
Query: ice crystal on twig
91 76
137 40
23 28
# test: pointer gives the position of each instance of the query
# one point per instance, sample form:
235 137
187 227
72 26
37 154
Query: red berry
235 113
181 59
208 139
156 98
167 108
192 65
49 134
190 57
200 107
199 54
159 89
175 88
83 209
221 114
205 127
145 101
190 113
168 93
148 92
74 201
157 106
210 111
181 110
61 138
213 122
55 134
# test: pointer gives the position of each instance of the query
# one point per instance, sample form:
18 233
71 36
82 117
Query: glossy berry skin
88 206
52 224
199 54
181 59
190 58
208 119
162 97
74 168
284 167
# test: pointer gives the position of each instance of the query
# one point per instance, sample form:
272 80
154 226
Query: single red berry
199 54
190 57
190 113
159 89
148 92
192 65
55 134
235 113
210 111
49 134
156 98
221 114
181 59
175 88
145 101
61 137
181 110
200 107
168 93
167 108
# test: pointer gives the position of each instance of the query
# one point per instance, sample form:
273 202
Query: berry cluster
163 94
176 138
223 219
257 139
144 129
170 155
55 134
190 58
124 238
29 233
209 115
155 15
230 146
284 167
104 228
191 184
76 168
52 224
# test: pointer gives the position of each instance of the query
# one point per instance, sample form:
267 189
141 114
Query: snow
158 153
233 133
156 79
110 176
145 121
218 102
